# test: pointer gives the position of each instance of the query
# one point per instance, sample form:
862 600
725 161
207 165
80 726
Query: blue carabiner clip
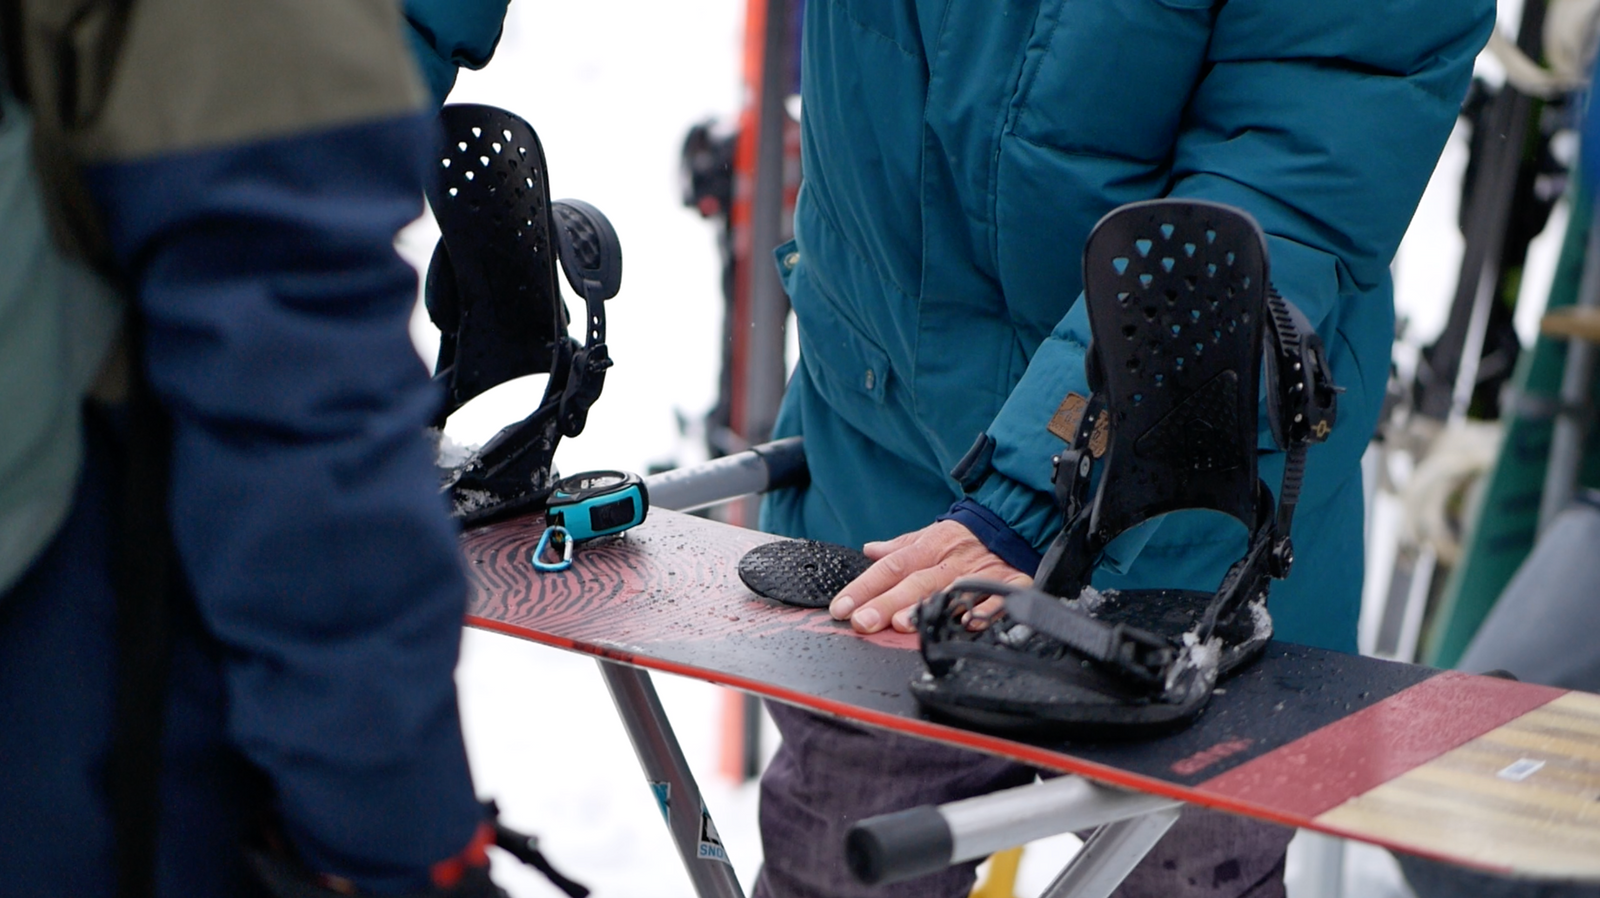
564 545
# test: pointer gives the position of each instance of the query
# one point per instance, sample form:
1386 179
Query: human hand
911 567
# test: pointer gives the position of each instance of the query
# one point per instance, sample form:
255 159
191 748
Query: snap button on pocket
871 380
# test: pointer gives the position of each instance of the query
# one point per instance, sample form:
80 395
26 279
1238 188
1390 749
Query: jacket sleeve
449 35
1324 121
250 165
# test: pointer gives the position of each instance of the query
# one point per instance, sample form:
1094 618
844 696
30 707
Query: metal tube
718 480
1472 346
1416 606
1457 353
1321 864
704 857
981 826
769 306
1110 855
1566 438
926 839
768 466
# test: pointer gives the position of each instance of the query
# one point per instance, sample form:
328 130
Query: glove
464 876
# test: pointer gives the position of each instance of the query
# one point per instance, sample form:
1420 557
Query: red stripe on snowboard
1321 771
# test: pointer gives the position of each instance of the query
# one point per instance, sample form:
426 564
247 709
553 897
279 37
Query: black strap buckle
1302 398
1071 469
1070 476
975 465
1302 407
1135 654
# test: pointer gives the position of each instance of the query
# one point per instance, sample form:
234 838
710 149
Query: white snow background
612 86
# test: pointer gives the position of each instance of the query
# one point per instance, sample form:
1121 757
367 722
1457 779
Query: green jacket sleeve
1324 121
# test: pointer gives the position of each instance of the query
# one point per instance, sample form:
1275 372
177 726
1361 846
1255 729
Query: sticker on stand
710 843
663 794
1520 770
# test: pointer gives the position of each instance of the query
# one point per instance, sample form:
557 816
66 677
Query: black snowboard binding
1182 313
492 292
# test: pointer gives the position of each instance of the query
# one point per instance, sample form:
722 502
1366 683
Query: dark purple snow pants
828 774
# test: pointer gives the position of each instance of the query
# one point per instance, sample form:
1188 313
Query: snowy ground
612 114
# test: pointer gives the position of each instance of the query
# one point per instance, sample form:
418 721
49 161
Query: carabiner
563 545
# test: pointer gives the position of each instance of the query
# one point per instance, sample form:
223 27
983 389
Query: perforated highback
1185 281
501 312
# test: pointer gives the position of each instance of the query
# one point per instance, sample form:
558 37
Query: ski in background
1520 600
748 179
1516 499
1506 521
1442 427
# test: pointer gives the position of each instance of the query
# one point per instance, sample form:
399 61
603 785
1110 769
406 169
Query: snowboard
1478 771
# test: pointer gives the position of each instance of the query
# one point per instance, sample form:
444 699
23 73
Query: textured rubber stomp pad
801 572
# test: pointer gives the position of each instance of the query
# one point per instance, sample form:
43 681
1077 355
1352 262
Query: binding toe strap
1133 656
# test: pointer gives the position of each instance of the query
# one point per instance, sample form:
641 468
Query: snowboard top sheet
1477 771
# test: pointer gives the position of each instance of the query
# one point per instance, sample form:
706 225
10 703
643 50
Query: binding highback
1189 281
492 288
493 293
1183 318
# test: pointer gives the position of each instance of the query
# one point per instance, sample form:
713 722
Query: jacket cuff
1018 488
1026 512
995 534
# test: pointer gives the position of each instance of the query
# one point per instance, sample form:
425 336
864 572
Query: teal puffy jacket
956 154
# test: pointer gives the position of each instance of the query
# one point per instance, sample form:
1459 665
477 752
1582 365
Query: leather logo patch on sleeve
1064 423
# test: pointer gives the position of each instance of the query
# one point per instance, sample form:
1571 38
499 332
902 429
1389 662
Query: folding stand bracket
895 846
910 843
1110 855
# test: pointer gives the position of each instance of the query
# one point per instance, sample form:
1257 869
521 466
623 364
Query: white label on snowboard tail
1521 770
710 843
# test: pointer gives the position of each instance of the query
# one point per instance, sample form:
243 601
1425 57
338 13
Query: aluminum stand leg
668 772
1321 860
1110 855
1572 423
